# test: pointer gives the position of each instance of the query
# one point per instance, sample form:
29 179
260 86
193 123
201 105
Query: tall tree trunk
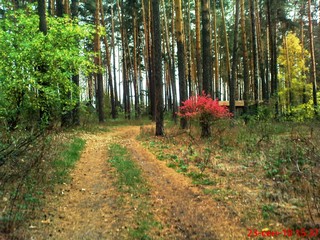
313 76
261 58
135 63
228 70
74 8
288 76
206 49
51 7
272 30
71 117
42 16
189 43
75 78
152 69
108 63
254 53
170 65
98 74
198 45
125 79
245 60
59 8
66 7
158 69
304 98
232 84
90 89
42 68
216 53
267 62
114 58
146 43
141 80
173 70
181 57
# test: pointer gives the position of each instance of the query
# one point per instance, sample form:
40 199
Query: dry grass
265 173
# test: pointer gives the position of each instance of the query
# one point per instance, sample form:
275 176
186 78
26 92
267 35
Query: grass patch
131 183
200 179
30 176
221 195
129 175
67 159
273 164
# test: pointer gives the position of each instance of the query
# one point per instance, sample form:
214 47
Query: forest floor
91 206
248 181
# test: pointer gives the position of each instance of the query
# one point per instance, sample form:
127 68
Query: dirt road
88 207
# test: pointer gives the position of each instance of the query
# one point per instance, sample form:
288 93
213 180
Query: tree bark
152 50
244 60
304 98
272 29
135 64
173 70
181 57
42 16
254 53
189 54
206 49
232 84
198 45
75 78
98 74
170 66
108 63
228 71
51 7
158 67
125 79
146 48
74 8
114 59
59 8
313 76
261 58
42 68
216 53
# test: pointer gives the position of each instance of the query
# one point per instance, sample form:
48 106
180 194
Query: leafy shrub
30 166
36 69
205 109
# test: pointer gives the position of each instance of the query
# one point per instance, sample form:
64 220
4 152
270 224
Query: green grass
267 211
130 181
200 179
67 159
42 169
129 175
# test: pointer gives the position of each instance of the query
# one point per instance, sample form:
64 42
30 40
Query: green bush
36 69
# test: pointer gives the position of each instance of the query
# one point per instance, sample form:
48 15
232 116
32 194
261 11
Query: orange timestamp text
302 232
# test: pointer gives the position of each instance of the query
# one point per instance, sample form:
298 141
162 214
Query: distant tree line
150 56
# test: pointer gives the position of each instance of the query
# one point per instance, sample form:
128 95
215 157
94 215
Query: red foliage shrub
204 107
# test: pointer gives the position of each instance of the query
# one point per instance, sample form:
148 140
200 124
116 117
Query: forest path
88 207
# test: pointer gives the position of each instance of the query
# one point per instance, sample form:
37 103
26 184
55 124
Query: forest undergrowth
31 165
265 172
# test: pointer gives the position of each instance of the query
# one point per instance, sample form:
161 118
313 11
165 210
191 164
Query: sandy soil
87 208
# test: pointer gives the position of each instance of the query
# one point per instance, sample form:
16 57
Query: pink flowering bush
205 109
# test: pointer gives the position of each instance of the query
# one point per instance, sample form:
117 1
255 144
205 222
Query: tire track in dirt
89 206
183 209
